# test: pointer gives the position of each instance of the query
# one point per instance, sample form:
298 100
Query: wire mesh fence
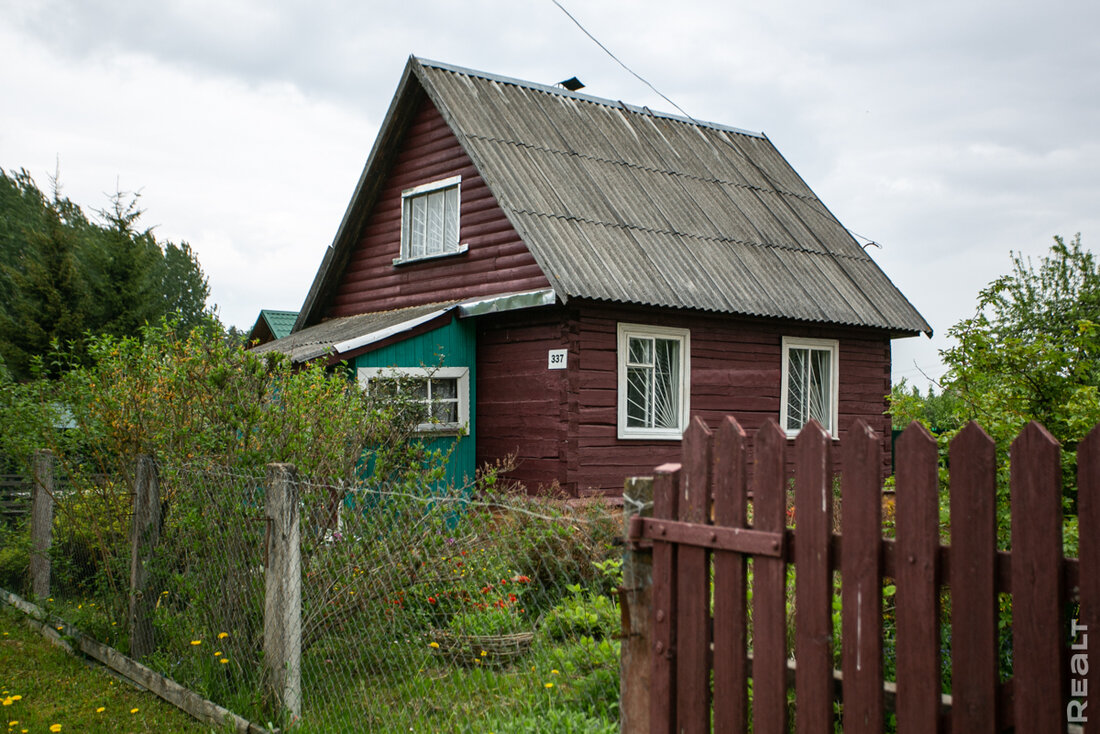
446 610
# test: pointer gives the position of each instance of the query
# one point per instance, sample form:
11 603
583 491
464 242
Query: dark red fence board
730 619
666 493
861 582
973 597
693 589
813 502
1038 653
918 630
769 613
1087 680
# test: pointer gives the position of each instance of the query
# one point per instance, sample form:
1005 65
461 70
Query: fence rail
863 605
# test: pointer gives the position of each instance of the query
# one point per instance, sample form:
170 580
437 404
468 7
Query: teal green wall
453 345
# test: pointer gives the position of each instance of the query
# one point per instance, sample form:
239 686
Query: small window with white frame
429 221
443 393
654 384
810 386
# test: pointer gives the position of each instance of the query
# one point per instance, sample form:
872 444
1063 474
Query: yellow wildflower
548 685
133 711
223 635
101 709
433 643
55 727
196 642
223 661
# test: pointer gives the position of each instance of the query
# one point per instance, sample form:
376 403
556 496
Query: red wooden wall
521 404
497 260
570 416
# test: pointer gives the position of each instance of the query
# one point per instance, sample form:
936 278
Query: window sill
441 429
655 436
792 435
463 248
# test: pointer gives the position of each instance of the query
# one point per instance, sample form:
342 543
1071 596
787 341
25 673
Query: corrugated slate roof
321 339
621 204
618 203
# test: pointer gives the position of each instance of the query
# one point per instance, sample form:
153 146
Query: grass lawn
44 689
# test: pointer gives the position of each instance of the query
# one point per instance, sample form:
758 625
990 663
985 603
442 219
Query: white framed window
429 221
811 384
654 370
443 391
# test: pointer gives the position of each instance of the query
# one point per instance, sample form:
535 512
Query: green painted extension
451 345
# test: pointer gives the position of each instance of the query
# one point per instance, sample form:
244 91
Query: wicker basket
481 649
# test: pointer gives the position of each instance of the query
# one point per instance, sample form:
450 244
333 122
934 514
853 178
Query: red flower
431 600
513 597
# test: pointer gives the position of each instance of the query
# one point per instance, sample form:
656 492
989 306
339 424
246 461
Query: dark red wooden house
587 275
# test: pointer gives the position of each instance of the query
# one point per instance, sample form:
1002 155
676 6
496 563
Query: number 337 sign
558 359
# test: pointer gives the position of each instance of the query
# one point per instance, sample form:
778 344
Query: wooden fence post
144 536
283 587
635 598
42 522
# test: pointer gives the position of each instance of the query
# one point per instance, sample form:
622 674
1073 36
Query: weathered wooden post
283 584
144 536
42 522
635 599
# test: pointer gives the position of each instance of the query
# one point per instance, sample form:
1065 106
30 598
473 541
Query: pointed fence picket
721 663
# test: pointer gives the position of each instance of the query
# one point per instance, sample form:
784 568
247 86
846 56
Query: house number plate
558 359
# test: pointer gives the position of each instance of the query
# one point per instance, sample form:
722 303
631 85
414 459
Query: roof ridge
689 235
593 99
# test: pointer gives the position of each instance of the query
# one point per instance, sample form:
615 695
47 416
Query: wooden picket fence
698 656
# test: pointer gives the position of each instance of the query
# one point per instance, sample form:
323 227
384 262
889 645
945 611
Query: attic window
429 221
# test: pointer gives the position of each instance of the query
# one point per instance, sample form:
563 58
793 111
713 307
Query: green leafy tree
1029 353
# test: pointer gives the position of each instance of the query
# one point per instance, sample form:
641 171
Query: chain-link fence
441 611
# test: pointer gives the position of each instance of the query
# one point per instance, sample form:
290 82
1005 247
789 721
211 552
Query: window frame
832 346
407 197
462 387
626 331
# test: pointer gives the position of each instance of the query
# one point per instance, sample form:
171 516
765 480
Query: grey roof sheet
318 340
621 204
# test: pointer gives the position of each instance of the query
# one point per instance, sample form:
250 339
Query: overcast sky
950 132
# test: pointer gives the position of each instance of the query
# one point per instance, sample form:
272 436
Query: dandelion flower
133 711
13 723
55 727
548 685
7 701
101 709
553 672
433 643
483 653
223 661
223 635
196 642
16 697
